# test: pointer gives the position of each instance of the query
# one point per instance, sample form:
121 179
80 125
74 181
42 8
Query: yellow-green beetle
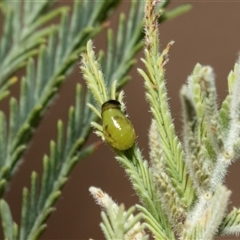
117 128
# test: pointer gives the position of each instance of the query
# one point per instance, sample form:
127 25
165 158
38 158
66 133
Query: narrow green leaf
30 76
171 14
25 214
151 223
21 137
60 183
60 145
106 226
34 196
41 34
34 116
15 156
23 104
16 64
51 52
53 198
42 68
15 231
7 33
78 110
46 18
3 139
7 222
35 235
70 128
14 115
52 161
4 90
63 39
77 20
44 184
110 54
231 223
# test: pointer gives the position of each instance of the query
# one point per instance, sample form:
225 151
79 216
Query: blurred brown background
208 34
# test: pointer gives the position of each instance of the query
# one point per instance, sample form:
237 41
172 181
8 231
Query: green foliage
9 227
20 37
38 202
55 49
117 223
141 177
38 89
42 82
181 191
132 160
231 223
169 144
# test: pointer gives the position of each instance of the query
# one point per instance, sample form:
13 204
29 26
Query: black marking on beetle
118 117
